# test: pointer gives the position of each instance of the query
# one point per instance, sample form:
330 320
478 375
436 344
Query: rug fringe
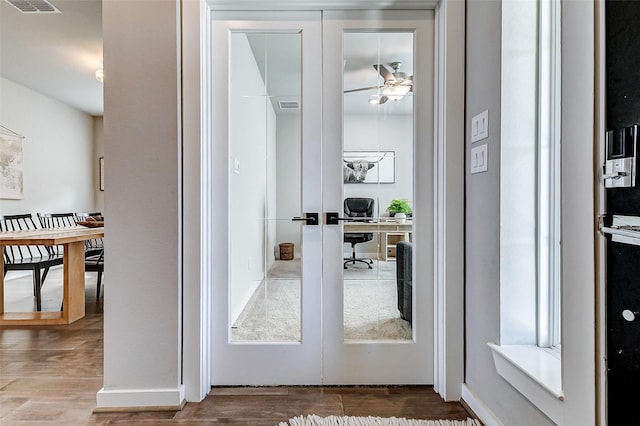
314 420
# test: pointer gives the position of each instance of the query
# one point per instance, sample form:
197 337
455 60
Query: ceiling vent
289 104
33 6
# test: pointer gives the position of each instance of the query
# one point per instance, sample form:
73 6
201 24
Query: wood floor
50 375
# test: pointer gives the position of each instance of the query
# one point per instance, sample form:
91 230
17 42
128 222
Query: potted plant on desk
400 210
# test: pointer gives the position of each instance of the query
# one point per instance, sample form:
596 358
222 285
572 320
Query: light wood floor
50 375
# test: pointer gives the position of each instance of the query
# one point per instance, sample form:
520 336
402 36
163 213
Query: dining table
73 300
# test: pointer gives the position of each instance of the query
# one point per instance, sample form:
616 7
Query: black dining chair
94 246
37 259
94 252
358 208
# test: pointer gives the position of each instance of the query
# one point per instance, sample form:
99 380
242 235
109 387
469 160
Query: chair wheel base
353 261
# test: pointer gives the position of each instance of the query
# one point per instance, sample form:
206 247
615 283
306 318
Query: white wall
58 149
98 152
289 180
483 225
384 133
482 269
252 143
390 133
142 305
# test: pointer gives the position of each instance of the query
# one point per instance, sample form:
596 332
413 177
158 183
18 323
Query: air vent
33 6
289 104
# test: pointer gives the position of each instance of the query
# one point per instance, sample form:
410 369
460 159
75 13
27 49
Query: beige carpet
373 421
370 306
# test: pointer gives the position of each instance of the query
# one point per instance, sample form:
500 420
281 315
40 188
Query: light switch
479 160
236 166
480 126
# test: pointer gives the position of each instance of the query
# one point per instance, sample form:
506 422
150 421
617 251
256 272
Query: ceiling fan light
396 93
378 99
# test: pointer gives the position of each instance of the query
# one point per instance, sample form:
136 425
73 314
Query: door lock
310 218
333 218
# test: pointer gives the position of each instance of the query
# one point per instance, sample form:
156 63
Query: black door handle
333 218
310 218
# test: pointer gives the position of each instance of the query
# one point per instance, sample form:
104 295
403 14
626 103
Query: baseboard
237 310
140 399
479 409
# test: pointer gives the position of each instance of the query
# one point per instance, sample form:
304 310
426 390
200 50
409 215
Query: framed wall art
369 167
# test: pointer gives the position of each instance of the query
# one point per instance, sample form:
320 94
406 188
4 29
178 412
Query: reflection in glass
264 178
378 186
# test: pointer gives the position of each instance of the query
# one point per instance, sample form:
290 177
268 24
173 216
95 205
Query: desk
72 240
390 234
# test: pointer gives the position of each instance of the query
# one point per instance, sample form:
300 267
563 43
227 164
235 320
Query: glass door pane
378 138
265 187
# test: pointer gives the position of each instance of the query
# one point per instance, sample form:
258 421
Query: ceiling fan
396 84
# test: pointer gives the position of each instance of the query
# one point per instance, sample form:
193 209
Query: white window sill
534 372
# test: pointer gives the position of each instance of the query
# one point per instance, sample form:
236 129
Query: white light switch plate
480 126
479 160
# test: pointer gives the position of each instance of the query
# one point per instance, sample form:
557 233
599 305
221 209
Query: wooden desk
390 234
73 300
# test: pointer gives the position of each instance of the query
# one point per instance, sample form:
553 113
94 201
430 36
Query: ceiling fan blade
384 73
362 88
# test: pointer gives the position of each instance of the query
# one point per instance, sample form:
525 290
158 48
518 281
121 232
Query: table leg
73 300
383 247
1 281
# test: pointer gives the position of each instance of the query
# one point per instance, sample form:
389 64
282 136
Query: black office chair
358 208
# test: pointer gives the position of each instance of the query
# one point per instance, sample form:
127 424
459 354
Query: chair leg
98 286
44 276
353 259
37 285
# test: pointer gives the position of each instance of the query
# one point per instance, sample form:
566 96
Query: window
528 355
530 174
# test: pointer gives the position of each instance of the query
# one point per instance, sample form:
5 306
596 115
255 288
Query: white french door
286 308
396 132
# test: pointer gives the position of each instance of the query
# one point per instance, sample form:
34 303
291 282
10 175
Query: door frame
199 184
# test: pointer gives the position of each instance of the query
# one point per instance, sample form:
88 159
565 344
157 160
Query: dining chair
358 208
95 263
93 246
94 249
37 259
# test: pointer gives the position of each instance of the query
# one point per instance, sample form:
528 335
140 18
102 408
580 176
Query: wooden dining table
72 239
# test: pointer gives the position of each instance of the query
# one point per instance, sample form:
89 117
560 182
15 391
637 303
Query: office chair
358 208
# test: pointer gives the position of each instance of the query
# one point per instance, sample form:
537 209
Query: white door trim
449 181
449 192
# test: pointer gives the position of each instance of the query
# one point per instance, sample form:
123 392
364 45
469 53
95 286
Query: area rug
370 312
370 306
292 269
373 421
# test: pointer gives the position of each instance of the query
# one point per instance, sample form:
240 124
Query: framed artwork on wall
101 167
11 168
369 167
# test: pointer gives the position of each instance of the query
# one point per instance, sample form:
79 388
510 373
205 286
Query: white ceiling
279 58
56 54
361 51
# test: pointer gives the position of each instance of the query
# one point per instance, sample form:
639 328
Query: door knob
333 218
630 316
309 219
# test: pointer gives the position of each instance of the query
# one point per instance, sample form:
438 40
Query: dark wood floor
50 375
